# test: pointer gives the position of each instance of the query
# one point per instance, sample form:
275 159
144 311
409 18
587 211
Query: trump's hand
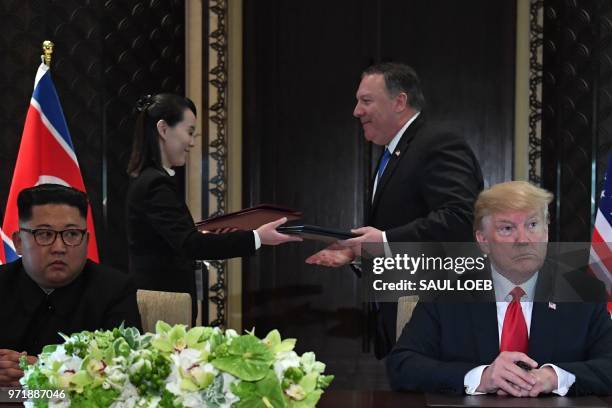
270 236
504 377
333 256
10 372
547 381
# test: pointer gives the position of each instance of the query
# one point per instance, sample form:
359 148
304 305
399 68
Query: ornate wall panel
215 193
536 36
576 111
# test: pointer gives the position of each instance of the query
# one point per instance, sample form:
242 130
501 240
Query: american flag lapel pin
552 305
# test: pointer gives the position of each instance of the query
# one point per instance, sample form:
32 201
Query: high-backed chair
405 307
171 307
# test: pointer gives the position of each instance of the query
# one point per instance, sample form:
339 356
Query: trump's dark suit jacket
99 298
426 194
163 241
445 339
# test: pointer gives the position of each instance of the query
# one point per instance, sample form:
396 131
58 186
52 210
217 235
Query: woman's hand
269 236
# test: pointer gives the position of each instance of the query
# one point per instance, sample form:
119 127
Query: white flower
193 400
230 334
128 398
187 358
59 403
230 398
284 360
115 375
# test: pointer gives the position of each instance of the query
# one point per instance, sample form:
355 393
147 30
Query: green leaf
249 369
94 398
249 359
49 348
324 380
261 394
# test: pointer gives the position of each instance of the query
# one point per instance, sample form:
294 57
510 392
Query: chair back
171 307
405 307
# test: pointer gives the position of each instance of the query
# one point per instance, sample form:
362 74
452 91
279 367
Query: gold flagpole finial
47 48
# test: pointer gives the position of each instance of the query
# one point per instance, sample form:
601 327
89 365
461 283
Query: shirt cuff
471 381
386 246
257 240
565 380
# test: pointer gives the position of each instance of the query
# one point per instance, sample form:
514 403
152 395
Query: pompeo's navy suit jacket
426 194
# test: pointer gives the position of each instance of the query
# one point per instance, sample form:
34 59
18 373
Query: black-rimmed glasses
46 237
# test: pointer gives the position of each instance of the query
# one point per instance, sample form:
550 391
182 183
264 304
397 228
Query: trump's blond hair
510 196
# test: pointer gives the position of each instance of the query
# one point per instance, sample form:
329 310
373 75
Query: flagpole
47 47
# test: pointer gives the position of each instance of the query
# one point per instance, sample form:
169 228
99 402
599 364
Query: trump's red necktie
514 331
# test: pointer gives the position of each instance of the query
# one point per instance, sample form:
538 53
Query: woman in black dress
163 241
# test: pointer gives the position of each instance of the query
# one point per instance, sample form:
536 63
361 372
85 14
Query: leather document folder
249 218
316 233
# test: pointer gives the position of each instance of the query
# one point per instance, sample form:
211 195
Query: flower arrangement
175 367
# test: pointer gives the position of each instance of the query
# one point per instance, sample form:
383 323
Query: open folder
249 218
316 233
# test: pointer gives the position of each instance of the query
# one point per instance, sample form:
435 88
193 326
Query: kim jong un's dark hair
152 109
44 194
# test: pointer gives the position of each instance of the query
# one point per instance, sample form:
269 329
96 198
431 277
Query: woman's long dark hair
152 109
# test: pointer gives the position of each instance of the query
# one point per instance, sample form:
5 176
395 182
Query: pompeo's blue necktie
383 163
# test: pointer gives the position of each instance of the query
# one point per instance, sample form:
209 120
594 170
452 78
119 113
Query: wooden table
388 399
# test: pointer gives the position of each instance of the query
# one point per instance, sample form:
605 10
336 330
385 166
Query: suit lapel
396 156
542 333
484 321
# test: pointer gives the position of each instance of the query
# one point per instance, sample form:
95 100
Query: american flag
46 155
600 259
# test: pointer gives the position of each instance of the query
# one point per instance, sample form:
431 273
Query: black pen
523 365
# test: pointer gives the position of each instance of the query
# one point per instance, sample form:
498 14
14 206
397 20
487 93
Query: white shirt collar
503 287
398 136
170 172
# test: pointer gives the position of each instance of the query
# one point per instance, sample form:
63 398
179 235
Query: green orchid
273 341
174 339
309 363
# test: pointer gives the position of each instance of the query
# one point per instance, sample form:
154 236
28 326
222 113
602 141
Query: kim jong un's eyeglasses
46 237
